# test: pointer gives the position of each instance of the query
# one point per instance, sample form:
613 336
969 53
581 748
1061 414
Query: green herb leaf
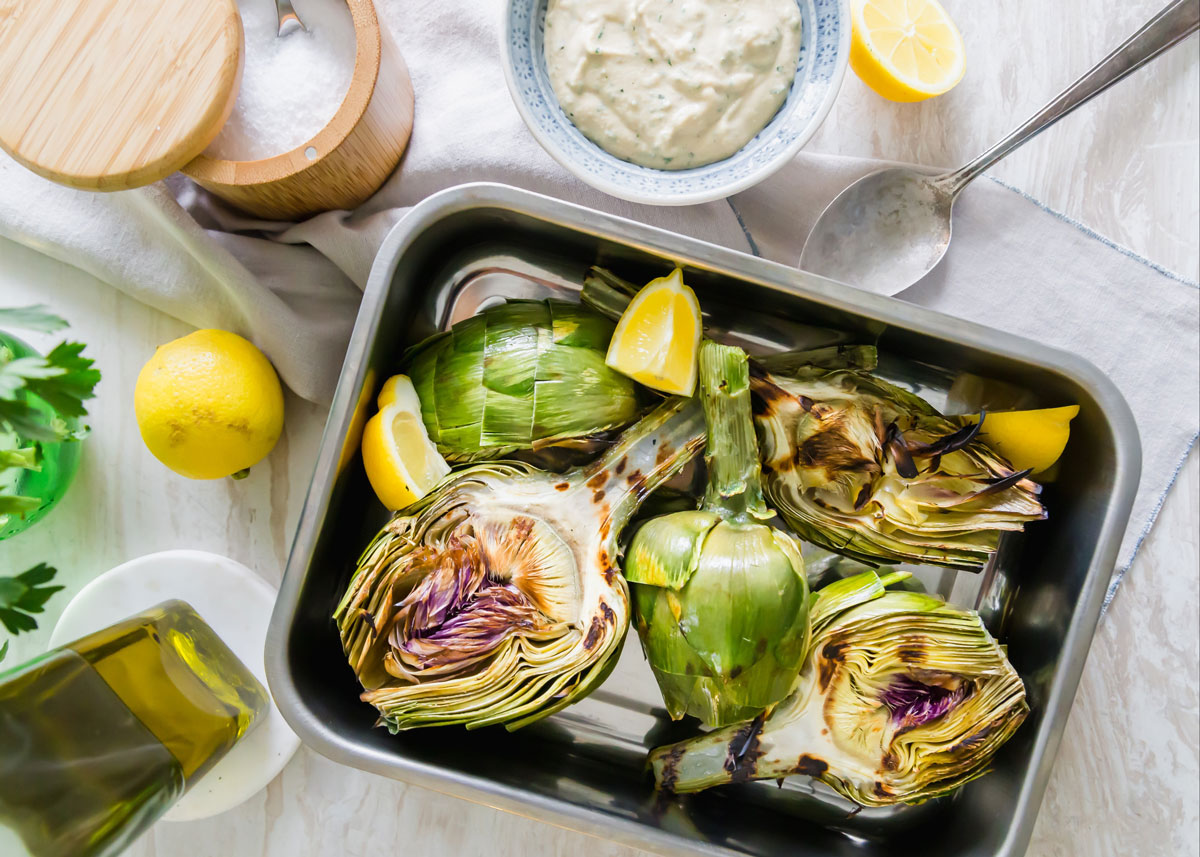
24 595
11 590
37 317
3 650
28 423
40 573
66 390
15 504
63 379
16 374
16 622
25 458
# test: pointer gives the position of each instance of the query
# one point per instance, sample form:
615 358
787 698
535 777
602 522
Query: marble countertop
1127 165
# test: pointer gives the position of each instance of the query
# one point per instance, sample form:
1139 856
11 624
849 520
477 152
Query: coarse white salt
291 86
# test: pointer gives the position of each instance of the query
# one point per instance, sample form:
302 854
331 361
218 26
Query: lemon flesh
399 389
402 463
1030 440
658 337
905 50
209 405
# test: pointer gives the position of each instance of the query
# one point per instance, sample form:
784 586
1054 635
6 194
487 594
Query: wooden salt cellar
348 159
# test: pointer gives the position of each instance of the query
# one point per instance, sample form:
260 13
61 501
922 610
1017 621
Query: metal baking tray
583 768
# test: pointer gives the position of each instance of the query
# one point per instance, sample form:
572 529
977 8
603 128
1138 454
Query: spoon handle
1174 23
289 21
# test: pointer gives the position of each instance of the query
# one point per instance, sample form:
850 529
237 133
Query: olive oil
100 737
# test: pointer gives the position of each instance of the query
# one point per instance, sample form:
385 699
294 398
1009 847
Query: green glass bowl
59 461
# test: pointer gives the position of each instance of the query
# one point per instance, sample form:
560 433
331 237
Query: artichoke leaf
460 397
667 550
578 328
743 609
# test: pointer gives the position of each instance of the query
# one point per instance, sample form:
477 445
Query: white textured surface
1127 165
236 603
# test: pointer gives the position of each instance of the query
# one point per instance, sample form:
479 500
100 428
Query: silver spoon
891 227
289 21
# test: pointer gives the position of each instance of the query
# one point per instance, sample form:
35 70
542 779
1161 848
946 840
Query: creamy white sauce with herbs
671 83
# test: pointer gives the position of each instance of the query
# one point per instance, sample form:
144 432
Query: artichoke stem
696 764
648 454
734 474
607 293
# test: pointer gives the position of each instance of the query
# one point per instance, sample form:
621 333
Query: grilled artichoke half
520 375
720 598
902 698
872 471
496 598
863 467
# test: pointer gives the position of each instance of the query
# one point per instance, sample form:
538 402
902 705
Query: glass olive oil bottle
100 737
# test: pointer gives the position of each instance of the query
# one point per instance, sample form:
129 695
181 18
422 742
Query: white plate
237 604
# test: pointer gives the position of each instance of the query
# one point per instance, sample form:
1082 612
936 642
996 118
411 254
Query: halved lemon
658 337
1031 440
905 50
401 461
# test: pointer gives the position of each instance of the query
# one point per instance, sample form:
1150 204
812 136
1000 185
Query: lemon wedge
1031 440
905 50
658 337
401 461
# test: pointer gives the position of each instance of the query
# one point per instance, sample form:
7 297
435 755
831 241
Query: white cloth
294 289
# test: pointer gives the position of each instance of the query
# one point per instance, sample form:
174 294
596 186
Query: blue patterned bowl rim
824 51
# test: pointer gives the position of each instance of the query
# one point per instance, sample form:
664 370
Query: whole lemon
209 405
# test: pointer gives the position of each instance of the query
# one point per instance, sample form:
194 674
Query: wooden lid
113 94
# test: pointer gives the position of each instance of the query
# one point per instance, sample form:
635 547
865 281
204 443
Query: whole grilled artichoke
519 375
720 598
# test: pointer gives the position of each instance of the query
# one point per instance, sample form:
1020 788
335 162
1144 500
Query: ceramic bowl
824 51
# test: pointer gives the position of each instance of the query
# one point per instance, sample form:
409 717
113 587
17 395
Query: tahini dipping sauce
671 84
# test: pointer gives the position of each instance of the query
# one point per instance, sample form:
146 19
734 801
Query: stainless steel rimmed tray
583 768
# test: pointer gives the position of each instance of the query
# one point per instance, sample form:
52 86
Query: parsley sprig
22 596
63 379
